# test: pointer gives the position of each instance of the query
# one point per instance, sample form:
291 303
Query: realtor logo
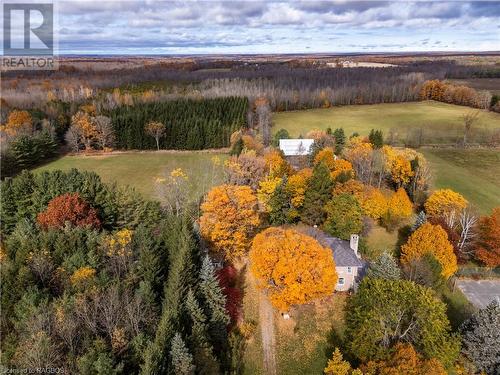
28 36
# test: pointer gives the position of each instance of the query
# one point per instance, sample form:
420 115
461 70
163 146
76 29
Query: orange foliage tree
488 245
373 202
430 239
18 122
404 360
399 207
68 208
297 185
86 127
341 166
327 156
229 219
444 202
292 266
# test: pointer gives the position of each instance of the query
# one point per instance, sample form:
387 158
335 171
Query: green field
140 169
432 122
473 173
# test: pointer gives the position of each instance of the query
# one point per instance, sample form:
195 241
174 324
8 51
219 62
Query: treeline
456 94
189 124
97 280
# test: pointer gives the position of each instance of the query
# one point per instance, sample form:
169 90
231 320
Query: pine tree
204 358
215 303
182 360
318 193
237 147
481 338
339 140
280 205
384 267
376 138
182 259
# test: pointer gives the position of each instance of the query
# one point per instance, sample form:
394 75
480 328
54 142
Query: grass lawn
439 122
473 173
380 240
304 342
140 169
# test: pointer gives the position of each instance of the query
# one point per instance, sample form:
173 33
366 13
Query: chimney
354 243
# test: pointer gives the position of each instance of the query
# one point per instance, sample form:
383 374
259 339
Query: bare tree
156 130
73 137
263 111
467 225
105 133
469 119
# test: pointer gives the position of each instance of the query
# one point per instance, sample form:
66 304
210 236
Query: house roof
343 255
294 147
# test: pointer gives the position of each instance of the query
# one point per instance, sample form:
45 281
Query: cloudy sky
167 27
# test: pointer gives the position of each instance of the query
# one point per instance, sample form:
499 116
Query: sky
213 27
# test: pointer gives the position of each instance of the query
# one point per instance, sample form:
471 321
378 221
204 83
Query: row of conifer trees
190 124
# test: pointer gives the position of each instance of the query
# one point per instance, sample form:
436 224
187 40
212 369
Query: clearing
140 169
431 122
473 173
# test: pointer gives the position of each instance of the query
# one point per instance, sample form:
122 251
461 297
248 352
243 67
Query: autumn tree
404 360
276 164
105 134
445 203
326 156
430 239
85 126
488 244
156 130
373 202
344 216
469 119
481 338
385 312
293 267
229 219
68 208
263 112
360 154
337 365
297 185
246 169
399 207
317 194
18 123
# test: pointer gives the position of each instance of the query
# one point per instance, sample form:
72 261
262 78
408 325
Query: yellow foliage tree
430 239
82 275
229 219
292 266
86 126
401 172
443 202
399 205
351 186
341 166
297 185
277 164
337 365
373 202
266 189
327 156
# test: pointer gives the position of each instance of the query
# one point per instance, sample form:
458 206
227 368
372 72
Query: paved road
480 292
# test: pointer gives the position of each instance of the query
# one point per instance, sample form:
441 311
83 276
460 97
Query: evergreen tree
384 267
481 338
280 134
215 304
344 216
280 205
182 255
318 193
237 147
182 360
339 140
376 138
204 358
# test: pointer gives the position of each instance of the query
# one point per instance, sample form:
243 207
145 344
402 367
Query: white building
296 147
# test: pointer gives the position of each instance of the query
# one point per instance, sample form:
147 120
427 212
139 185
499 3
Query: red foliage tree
228 281
488 245
70 208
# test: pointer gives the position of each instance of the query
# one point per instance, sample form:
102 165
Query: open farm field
141 169
428 122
